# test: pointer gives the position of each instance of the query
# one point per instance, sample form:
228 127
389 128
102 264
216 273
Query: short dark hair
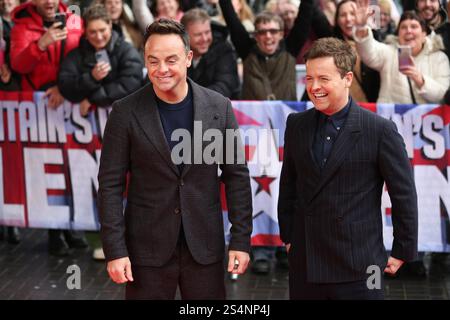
412 15
194 15
96 12
167 26
342 53
267 16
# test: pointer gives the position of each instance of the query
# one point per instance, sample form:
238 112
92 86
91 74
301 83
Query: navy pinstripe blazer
333 216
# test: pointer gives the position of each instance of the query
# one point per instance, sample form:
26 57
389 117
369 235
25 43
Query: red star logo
263 183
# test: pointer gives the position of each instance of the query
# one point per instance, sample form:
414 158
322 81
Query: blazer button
177 211
181 182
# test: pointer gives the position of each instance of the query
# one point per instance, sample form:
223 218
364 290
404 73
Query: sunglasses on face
261 32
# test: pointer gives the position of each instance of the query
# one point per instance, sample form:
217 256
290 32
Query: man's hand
101 70
393 265
84 107
238 261
5 73
288 247
413 73
52 35
55 99
119 270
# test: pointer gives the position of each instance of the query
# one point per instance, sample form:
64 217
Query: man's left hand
55 99
241 258
393 265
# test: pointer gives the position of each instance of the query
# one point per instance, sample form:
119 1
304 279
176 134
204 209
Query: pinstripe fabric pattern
333 217
159 200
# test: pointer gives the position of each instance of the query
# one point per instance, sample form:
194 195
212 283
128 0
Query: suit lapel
307 131
147 115
342 147
204 118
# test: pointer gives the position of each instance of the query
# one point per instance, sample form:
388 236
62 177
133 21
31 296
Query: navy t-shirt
176 116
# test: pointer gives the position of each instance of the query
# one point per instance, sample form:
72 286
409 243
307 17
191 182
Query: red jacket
41 67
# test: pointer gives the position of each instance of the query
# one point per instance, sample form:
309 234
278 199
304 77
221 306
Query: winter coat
76 83
217 68
431 61
39 69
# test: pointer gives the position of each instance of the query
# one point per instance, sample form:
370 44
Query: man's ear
189 56
348 79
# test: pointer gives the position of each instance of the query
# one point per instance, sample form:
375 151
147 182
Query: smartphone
102 56
61 17
404 57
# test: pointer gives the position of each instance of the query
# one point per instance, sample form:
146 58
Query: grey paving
27 272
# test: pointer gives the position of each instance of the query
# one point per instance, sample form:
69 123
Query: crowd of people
245 50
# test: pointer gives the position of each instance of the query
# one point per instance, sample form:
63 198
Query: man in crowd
38 45
213 63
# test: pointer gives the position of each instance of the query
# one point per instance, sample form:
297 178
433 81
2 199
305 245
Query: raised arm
142 13
299 33
241 39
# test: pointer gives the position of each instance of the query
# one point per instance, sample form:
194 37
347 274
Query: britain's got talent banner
50 162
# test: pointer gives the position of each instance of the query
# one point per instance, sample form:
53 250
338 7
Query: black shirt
176 116
327 131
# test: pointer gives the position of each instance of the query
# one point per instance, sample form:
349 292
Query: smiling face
428 9
346 18
98 33
268 36
200 37
326 88
410 33
167 8
167 61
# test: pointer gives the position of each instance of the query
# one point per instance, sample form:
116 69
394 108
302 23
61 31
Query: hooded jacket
431 61
39 69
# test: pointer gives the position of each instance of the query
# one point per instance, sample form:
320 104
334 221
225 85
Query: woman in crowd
243 11
423 77
9 80
366 84
168 9
86 76
123 21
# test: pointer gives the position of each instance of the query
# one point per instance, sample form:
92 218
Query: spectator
269 62
84 80
123 21
38 45
433 13
435 17
366 84
142 13
169 9
425 80
243 11
10 80
387 25
214 63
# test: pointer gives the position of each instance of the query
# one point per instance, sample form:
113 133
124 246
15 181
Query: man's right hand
53 34
288 247
119 270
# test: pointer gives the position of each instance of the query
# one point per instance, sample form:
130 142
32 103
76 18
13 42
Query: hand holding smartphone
60 17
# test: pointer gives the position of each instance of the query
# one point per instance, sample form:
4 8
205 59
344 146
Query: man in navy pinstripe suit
337 158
